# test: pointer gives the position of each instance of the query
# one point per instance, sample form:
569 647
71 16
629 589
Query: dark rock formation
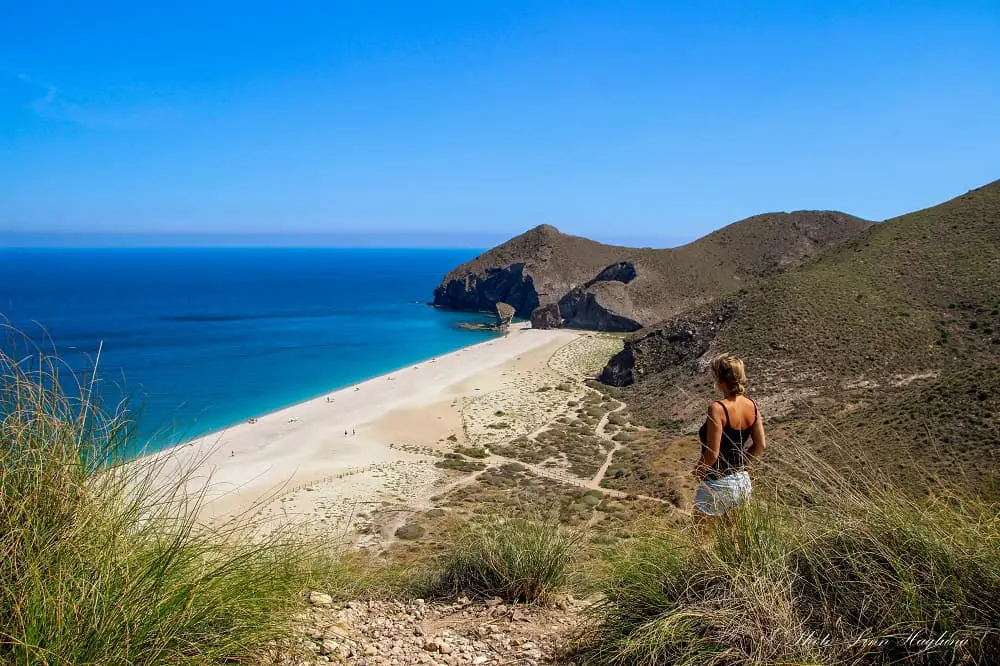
603 304
536 268
481 292
622 271
546 316
681 340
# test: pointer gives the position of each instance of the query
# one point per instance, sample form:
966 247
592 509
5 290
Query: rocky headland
562 280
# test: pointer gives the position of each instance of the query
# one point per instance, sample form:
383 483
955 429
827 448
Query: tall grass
518 559
823 566
103 561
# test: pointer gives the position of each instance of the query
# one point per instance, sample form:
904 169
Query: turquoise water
200 339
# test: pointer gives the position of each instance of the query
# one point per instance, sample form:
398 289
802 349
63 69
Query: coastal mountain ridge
579 283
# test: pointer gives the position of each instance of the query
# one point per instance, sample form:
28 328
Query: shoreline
343 433
151 451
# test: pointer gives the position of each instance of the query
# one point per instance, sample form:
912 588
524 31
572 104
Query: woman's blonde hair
729 370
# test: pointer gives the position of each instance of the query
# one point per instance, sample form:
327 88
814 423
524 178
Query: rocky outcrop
505 313
609 288
602 307
536 268
480 292
546 316
603 304
684 339
622 271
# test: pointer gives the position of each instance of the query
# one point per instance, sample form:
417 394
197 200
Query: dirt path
424 502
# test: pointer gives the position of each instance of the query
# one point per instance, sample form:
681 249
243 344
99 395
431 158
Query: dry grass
828 568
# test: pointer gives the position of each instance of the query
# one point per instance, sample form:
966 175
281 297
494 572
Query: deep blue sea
201 339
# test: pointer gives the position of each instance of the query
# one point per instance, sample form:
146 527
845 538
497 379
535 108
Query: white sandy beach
298 460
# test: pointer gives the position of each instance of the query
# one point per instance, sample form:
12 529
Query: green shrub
460 465
104 562
522 559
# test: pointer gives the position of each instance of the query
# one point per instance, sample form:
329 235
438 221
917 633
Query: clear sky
470 121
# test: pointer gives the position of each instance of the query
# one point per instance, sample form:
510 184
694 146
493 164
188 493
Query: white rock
320 599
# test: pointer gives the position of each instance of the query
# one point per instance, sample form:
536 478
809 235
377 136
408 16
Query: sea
198 339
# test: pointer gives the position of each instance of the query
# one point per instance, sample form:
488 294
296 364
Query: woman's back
740 412
738 418
731 437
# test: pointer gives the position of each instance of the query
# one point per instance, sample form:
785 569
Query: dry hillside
605 287
890 341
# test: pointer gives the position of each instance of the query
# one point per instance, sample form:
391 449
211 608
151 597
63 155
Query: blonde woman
732 424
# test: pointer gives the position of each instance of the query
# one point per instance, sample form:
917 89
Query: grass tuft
103 561
522 559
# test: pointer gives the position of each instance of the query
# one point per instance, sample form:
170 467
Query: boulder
546 316
505 313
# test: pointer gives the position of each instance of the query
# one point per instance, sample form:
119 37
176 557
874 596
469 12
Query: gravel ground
395 633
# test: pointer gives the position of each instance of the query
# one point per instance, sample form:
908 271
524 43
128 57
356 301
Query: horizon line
439 240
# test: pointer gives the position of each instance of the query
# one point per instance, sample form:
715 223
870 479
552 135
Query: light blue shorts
716 496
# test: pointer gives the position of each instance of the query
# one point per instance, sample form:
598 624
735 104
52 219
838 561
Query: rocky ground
397 633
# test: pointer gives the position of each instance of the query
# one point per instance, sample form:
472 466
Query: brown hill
605 287
890 341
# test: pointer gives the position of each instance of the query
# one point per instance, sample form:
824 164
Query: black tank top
732 454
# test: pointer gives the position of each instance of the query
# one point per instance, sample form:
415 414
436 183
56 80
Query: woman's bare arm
758 438
713 441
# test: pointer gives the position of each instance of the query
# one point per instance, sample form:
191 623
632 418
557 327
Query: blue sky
468 122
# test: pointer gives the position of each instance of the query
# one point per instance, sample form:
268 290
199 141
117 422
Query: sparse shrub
521 559
460 464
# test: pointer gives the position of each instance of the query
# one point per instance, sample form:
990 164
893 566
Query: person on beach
732 423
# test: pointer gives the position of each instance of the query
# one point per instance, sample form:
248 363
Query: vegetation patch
471 451
102 562
460 465
516 559
842 557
